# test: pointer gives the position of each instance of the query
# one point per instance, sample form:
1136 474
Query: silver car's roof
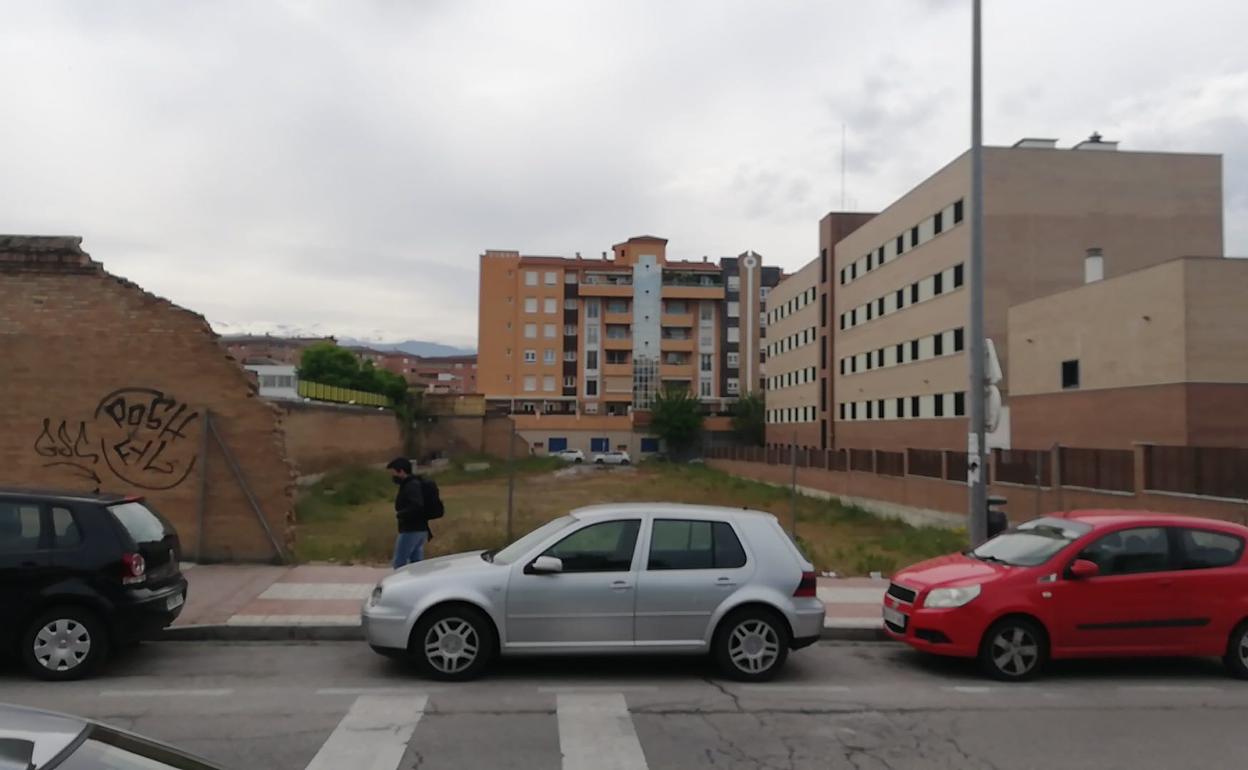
678 510
51 733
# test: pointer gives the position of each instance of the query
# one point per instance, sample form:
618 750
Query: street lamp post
977 520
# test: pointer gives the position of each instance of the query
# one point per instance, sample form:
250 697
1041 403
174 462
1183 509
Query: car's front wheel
64 643
454 642
1013 650
751 645
1236 658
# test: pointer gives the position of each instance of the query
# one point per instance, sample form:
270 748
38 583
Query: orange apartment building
578 348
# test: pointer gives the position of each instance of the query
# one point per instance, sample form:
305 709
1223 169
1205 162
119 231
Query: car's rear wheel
751 644
64 643
578 461
1013 650
1236 658
454 642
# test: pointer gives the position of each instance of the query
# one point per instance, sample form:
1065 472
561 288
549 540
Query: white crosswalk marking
373 735
596 733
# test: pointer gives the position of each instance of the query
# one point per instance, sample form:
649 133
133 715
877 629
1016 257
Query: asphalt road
863 707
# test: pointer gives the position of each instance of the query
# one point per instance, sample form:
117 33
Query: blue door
557 444
600 445
649 445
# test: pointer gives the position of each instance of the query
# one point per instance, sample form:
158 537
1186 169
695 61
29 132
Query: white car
570 455
612 458
654 578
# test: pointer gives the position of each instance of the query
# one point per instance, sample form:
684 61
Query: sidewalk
252 602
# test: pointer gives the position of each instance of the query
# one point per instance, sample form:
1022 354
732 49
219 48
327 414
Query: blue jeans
409 547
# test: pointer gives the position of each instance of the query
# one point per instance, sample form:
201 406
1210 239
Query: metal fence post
511 477
793 486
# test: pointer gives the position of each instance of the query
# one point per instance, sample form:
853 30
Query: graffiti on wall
141 435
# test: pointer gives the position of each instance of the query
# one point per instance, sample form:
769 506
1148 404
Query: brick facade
108 387
321 437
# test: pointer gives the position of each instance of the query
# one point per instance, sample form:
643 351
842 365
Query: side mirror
544 565
1083 569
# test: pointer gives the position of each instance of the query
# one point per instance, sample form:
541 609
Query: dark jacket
409 506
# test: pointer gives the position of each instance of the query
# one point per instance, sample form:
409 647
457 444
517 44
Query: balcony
692 291
677 345
676 371
606 285
684 320
619 319
617 370
617 343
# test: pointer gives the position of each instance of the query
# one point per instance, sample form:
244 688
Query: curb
311 633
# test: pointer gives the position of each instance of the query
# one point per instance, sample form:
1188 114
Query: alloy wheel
452 645
754 646
1243 647
62 645
1015 651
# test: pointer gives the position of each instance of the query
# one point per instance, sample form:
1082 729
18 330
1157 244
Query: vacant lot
348 517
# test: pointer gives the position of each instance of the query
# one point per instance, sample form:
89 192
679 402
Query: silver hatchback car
632 578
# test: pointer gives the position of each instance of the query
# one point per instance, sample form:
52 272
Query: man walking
411 512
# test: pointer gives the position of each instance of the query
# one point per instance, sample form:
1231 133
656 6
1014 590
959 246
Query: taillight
134 568
806 588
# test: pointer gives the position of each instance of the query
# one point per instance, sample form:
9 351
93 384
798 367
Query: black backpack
434 509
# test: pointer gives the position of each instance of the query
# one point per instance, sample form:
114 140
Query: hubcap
452 645
753 646
1243 648
1015 651
62 645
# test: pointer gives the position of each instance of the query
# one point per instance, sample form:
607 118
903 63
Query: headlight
944 598
375 598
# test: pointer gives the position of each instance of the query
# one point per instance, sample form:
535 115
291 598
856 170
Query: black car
82 574
42 740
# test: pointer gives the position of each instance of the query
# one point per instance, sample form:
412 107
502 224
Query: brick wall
322 437
106 386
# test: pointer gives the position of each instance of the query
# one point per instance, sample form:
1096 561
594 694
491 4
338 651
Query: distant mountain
412 347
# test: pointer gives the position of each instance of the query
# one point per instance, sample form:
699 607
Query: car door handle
725 581
621 585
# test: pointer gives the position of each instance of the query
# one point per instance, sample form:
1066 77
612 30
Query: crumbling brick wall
322 437
105 386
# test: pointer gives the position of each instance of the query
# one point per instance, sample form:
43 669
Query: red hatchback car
1080 585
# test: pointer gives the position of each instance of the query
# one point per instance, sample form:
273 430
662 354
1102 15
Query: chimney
578 255
1093 266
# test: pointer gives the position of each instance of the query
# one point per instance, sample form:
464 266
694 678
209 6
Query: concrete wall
322 437
108 387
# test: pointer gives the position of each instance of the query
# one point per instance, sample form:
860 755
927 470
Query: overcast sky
338 167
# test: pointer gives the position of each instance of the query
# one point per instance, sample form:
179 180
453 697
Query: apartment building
1152 356
792 350
599 338
898 340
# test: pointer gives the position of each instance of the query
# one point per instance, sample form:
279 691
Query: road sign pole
977 516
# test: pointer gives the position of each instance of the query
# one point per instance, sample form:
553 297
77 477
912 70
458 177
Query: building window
530 356
569 330
530 331
879 256
938 403
591 335
901 244
530 277
706 362
734 360
959 404
591 387
870 410
914 236
901 298
734 283
901 408
1070 375
938 344
938 284
957 276
914 293
957 211
569 355
548 383
901 353
734 309
853 364
550 331
842 283
552 278
591 308
734 386
939 222
591 360
530 383
549 356
853 271
569 304
734 334
707 311
879 357
914 407
870 260
958 340
530 304
551 305
569 278
914 350
853 410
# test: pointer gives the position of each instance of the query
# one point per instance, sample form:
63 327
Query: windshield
529 541
141 522
1032 543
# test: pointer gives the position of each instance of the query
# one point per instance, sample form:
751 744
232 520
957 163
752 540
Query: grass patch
349 517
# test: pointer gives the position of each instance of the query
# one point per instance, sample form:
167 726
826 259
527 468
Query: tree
329 364
749 419
676 417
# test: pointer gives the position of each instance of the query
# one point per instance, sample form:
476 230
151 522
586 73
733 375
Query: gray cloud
339 166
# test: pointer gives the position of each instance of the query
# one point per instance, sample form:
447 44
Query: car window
65 529
1131 551
685 544
531 540
19 527
604 547
1203 549
1032 543
140 521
